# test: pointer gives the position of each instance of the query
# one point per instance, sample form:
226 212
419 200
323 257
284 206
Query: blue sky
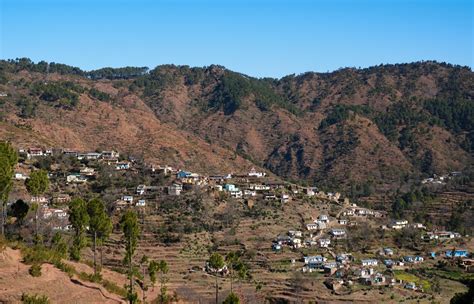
257 37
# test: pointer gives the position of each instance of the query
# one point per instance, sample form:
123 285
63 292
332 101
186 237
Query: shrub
34 299
35 270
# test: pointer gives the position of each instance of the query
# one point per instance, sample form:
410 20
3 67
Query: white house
141 203
338 233
324 243
20 176
248 192
369 262
127 198
76 178
254 173
175 189
398 224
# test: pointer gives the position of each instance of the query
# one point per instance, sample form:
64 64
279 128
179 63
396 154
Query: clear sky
256 37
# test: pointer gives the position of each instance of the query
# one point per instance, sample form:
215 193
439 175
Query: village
318 245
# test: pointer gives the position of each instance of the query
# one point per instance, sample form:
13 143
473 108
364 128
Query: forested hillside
352 129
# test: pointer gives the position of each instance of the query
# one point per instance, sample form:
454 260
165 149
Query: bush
35 270
34 299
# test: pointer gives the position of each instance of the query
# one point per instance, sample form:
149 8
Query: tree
36 185
236 267
19 210
143 263
8 160
79 219
100 224
131 230
216 262
163 269
232 298
152 269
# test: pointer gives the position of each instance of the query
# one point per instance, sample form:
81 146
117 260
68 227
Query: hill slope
375 127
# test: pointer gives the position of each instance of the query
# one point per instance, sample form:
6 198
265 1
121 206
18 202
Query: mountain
356 130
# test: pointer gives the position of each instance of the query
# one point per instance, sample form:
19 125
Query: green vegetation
8 160
131 231
100 225
34 299
35 270
216 262
58 94
232 298
27 107
79 219
102 96
408 277
456 115
117 73
233 88
341 112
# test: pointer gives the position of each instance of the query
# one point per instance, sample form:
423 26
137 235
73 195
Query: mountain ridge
375 127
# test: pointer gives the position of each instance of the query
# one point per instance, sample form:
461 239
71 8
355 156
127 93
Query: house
369 262
323 218
314 259
20 176
68 152
295 233
342 221
410 285
284 198
217 188
276 247
330 267
110 155
254 173
409 259
338 233
175 189
387 251
93 155
324 243
388 263
377 279
39 199
87 171
343 258
418 259
76 178
34 152
230 187
248 192
127 198
295 242
61 198
270 197
141 203
141 189
309 191
457 253
259 187
364 273
122 166
236 194
418 226
315 226
429 236
445 235
398 224
182 174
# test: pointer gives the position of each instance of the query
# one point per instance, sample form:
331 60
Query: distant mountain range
356 130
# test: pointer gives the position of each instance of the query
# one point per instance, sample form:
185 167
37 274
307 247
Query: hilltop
355 130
